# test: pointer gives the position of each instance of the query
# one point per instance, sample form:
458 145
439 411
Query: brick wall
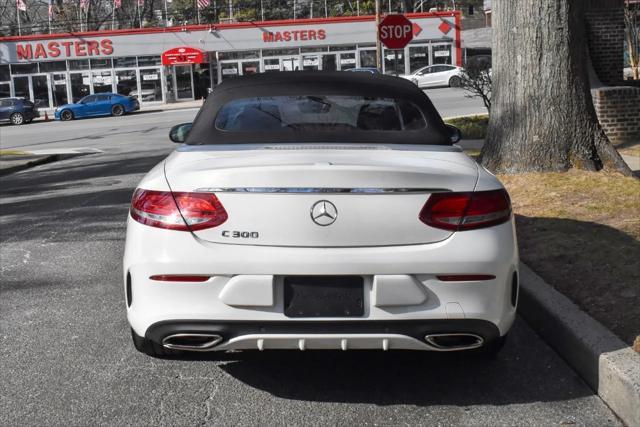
605 34
618 110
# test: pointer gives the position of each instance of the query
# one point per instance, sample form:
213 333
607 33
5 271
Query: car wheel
66 115
455 81
150 348
117 110
17 119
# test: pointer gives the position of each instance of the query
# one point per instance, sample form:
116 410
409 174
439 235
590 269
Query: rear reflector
464 277
177 211
466 211
179 278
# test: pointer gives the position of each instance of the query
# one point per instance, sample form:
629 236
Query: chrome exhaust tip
191 342
454 341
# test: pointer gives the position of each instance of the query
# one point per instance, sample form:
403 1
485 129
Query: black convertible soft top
316 83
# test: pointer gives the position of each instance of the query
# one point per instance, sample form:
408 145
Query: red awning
184 55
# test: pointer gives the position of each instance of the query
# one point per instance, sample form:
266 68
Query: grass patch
581 232
472 127
13 153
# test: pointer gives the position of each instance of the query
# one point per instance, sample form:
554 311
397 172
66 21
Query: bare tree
542 115
476 81
632 32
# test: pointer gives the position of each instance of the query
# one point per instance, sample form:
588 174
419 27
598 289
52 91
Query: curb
604 361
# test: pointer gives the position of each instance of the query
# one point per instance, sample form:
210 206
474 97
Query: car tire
455 81
66 115
150 348
17 119
117 110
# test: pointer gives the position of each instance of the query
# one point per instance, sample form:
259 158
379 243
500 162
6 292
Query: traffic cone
46 116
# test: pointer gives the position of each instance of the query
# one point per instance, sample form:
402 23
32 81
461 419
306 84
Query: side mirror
179 133
454 134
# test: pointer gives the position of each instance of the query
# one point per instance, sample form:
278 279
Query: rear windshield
319 113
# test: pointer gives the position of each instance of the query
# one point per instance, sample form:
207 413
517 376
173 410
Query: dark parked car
101 104
17 110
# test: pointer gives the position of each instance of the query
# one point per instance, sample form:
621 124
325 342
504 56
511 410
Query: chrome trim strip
320 190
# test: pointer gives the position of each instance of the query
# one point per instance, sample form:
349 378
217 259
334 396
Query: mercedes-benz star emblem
324 213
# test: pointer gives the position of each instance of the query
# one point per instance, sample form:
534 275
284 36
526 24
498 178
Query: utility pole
262 10
326 14
378 45
230 10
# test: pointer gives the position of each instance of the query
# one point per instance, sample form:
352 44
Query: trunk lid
322 197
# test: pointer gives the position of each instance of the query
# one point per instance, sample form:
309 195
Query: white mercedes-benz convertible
319 211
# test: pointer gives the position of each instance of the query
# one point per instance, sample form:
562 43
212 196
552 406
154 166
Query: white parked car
436 75
319 211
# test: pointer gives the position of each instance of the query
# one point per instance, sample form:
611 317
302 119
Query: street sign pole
378 44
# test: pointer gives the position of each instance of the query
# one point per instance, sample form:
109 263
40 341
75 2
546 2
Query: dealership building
160 65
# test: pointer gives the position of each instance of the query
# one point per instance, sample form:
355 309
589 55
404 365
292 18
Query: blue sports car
102 104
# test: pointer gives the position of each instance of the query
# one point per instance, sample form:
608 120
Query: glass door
229 69
184 82
40 84
59 91
271 64
127 82
329 62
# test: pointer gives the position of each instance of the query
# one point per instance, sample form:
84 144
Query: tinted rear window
319 113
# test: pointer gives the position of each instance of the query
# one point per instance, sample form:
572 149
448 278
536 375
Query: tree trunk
542 115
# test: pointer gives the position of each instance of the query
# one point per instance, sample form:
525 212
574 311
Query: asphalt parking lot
67 359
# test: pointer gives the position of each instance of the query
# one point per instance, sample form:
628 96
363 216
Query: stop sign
395 31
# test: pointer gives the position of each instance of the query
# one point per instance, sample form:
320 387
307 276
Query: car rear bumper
330 335
246 285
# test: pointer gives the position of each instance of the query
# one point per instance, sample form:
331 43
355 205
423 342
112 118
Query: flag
117 4
84 4
203 3
21 5
50 8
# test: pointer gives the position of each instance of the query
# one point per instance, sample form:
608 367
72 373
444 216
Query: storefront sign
295 35
149 77
229 71
65 49
348 61
439 53
310 61
183 55
270 67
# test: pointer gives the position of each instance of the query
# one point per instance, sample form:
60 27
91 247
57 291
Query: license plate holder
323 296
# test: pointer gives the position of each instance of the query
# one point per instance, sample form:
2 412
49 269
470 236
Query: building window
394 62
100 64
341 48
418 57
5 90
347 61
30 68
46 67
313 49
441 54
271 64
126 82
5 75
151 85
247 54
280 52
144 61
125 61
368 58
79 85
79 64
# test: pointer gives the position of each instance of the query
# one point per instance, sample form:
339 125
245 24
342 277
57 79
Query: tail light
177 211
466 211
